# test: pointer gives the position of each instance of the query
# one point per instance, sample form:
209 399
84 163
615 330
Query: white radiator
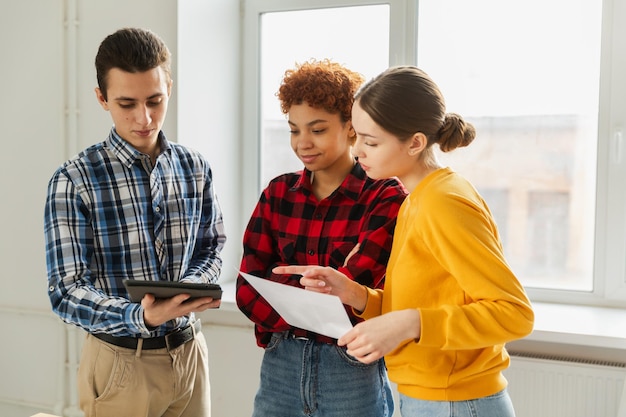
551 386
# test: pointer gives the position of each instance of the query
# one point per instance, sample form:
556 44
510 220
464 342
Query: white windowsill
581 327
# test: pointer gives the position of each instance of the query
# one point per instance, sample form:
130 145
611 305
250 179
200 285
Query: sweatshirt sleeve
373 306
463 239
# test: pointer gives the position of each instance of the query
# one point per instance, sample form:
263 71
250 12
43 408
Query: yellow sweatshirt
447 262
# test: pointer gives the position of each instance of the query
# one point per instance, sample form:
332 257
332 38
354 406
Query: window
540 80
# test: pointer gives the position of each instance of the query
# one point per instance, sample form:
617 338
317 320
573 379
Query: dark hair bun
455 133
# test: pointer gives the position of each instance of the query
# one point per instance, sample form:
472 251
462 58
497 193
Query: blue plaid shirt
111 215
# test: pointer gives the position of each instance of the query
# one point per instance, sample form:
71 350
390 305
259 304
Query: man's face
138 105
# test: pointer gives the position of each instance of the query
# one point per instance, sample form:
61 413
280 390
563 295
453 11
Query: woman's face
379 152
319 138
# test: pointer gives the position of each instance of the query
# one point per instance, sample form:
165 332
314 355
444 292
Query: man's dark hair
131 50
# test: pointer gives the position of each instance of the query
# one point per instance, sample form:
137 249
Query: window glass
291 37
527 76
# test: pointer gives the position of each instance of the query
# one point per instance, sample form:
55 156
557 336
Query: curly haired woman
330 213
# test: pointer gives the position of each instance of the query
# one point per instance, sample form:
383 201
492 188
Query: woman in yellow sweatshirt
450 301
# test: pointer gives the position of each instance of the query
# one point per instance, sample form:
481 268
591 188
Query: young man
135 206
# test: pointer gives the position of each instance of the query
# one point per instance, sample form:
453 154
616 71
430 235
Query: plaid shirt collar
351 187
126 153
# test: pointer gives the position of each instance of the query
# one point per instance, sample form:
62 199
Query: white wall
209 115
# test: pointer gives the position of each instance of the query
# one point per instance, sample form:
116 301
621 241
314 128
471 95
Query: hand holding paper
320 313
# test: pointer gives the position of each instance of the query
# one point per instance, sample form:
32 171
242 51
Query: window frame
609 263
610 245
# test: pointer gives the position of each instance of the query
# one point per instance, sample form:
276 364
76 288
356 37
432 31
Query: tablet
137 288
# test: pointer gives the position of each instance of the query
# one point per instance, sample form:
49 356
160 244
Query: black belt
302 335
170 341
289 334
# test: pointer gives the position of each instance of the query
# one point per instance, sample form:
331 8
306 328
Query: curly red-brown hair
321 84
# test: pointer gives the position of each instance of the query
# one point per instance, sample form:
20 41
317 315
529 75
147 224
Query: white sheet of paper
320 313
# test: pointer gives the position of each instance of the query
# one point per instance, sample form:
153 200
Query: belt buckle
290 335
179 337
172 338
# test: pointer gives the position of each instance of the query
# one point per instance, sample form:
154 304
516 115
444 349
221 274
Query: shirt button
157 209
51 288
311 252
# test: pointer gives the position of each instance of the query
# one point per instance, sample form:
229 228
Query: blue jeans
300 377
496 405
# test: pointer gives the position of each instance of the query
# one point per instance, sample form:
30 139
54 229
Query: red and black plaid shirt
289 226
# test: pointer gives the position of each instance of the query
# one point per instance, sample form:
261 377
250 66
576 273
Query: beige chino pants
119 382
